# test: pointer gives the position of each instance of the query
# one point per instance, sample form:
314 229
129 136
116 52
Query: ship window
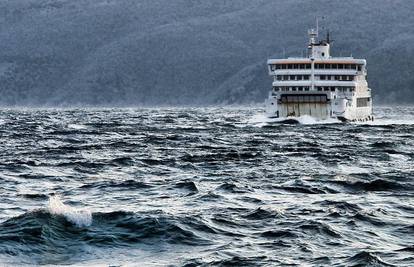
353 66
308 66
363 101
340 66
289 66
319 88
332 89
359 67
323 54
334 66
326 89
295 66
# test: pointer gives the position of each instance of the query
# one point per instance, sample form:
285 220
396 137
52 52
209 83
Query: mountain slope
158 52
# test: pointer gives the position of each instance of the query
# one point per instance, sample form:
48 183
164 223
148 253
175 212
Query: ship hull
288 108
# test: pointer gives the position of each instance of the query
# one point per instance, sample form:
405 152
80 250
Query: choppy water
204 187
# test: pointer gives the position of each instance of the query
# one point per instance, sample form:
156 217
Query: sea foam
262 120
81 218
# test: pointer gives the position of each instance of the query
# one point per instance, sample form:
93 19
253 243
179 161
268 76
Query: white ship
320 86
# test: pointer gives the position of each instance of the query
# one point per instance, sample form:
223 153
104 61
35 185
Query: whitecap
261 120
309 120
76 126
81 218
344 169
385 122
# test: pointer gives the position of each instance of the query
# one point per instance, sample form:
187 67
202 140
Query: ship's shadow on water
204 187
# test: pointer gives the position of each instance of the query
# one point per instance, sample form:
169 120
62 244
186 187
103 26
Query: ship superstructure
319 85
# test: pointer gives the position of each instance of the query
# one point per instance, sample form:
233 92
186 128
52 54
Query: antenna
317 26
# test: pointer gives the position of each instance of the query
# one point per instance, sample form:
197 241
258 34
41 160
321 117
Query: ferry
319 85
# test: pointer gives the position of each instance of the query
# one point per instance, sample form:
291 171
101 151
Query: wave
219 156
262 214
386 122
319 228
77 126
279 234
260 120
59 232
373 185
81 218
125 185
340 205
188 186
365 258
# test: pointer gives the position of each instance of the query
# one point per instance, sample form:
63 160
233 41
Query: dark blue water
204 187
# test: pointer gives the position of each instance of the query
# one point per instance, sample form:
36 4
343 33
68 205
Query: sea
212 186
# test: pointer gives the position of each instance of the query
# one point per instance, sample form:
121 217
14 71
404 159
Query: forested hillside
181 52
